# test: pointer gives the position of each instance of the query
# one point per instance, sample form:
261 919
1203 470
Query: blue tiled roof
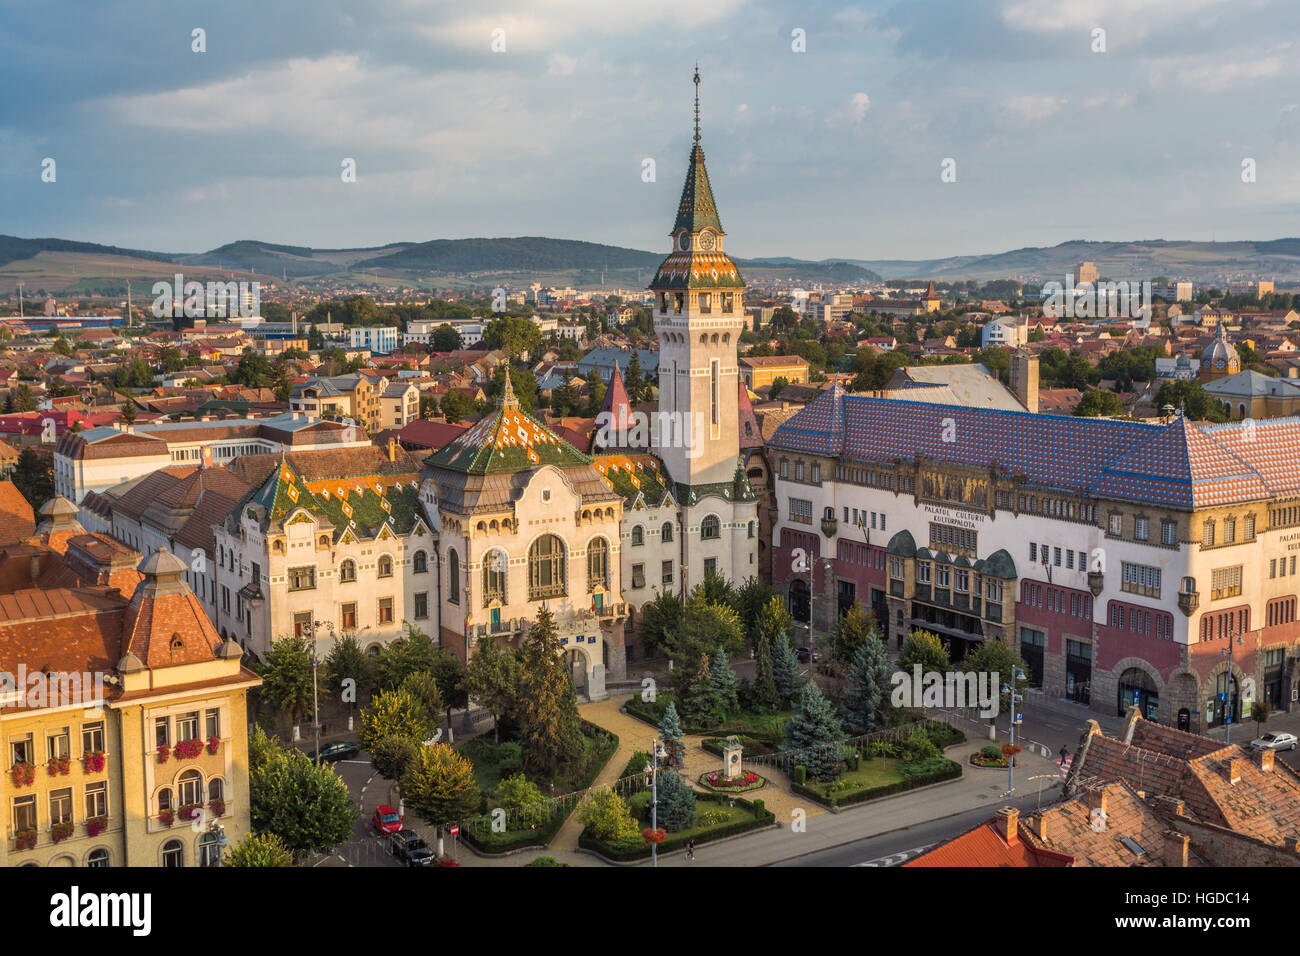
1178 464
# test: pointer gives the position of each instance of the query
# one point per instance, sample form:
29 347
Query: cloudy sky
836 151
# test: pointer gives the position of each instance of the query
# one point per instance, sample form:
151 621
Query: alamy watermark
644 432
194 300
948 689
35 689
1095 300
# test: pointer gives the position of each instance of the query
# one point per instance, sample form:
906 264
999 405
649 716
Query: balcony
830 526
1188 602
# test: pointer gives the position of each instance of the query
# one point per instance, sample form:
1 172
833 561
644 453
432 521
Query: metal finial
696 80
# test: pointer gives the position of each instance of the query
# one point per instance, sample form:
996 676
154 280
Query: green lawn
869 775
494 762
740 723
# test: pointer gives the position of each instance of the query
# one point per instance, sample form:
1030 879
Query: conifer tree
676 803
866 691
670 729
815 732
764 695
724 681
548 707
701 703
785 671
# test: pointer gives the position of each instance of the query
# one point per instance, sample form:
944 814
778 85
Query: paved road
898 846
369 789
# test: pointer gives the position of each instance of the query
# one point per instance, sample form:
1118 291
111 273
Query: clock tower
698 317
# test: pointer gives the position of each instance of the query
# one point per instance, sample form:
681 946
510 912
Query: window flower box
92 762
189 811
59 766
218 807
214 744
166 817
96 825
61 831
187 749
163 753
25 840
23 775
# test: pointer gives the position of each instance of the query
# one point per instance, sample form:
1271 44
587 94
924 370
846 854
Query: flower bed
718 782
95 825
188 749
23 774
92 762
994 757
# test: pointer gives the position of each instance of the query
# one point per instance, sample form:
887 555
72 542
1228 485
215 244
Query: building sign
960 518
1292 540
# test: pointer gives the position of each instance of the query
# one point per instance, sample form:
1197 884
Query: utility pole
655 747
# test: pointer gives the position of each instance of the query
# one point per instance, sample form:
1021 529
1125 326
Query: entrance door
578 672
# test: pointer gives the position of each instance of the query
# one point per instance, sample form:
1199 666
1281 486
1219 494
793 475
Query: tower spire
696 80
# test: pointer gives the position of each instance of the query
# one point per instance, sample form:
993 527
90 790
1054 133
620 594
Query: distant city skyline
832 152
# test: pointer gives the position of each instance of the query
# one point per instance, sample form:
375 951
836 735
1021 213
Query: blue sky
832 152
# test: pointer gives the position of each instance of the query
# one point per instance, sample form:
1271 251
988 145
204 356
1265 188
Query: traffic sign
454 829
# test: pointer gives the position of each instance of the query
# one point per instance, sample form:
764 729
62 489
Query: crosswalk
1065 767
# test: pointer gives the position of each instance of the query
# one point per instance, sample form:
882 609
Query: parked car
1274 741
407 846
386 819
339 750
807 655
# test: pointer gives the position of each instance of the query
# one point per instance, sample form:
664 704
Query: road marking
894 859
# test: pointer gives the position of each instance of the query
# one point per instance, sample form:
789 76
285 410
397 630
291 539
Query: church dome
1221 357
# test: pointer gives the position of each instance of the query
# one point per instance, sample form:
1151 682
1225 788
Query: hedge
636 848
544 833
919 774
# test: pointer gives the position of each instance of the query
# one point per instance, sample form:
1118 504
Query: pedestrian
1064 754
690 850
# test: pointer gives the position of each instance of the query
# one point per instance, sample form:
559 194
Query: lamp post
1227 697
1017 675
315 696
656 747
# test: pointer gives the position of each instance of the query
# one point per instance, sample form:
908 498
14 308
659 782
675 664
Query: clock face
706 240
684 242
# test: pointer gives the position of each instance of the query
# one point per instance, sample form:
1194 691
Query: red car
386 820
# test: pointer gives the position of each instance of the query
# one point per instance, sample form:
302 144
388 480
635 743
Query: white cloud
1128 19
561 65
853 112
1030 108
1215 74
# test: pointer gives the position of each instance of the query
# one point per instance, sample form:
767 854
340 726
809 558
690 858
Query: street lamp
1017 675
1227 697
656 750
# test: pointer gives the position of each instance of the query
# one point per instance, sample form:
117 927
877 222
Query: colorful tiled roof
363 502
508 440
632 476
693 269
1179 464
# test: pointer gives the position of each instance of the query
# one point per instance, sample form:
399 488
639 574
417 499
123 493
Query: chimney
1175 848
1040 826
392 449
1266 761
1097 799
1236 766
1024 379
1007 822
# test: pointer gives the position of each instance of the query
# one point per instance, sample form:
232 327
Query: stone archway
585 669
1138 682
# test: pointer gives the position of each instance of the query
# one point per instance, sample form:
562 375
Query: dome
1222 354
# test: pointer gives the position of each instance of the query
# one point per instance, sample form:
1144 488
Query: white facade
379 340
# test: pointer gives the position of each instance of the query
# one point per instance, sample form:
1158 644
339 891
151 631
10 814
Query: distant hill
1200 261
12 249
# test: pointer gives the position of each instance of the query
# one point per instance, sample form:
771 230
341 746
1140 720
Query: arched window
751 529
710 527
546 568
385 566
97 858
278 547
165 799
638 536
190 788
215 789
173 853
666 533
348 571
421 562
494 578
597 564
453 576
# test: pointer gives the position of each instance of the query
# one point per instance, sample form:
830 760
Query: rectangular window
801 510
816 473
92 738
716 392
923 572
302 624
1116 525
1225 582
1140 529
1140 579
785 468
1168 532
961 580
302 579
97 800
1056 557
161 734
61 805
421 605
1033 552
386 610
187 726
638 575
25 812
798 471
666 577
1248 528
57 744
711 566
348 613
212 722
1207 534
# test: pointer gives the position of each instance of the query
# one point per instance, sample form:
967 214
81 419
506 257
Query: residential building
378 340
761 371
